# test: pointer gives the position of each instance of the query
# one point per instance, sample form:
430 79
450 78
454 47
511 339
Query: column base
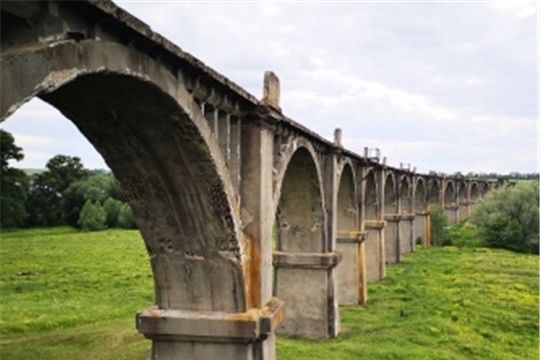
183 334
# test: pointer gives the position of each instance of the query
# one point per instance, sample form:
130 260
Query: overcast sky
445 86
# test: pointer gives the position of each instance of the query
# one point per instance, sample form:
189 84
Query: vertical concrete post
380 186
331 186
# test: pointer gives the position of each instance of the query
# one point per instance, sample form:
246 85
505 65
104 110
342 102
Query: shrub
464 234
439 226
92 216
508 217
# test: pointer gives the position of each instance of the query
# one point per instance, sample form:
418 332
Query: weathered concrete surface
207 169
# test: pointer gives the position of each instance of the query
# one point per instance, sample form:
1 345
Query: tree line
65 193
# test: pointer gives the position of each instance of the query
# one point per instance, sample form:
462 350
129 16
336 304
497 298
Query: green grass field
71 295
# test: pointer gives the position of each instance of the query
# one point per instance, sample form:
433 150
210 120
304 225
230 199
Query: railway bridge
254 225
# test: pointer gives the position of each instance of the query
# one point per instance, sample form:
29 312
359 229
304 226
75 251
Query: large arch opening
462 200
372 209
407 216
300 233
391 215
450 205
420 222
348 272
77 285
474 192
155 140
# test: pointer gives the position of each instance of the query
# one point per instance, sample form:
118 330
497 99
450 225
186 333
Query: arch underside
300 213
147 128
347 217
371 201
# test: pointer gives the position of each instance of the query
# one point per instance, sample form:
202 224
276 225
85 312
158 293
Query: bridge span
254 225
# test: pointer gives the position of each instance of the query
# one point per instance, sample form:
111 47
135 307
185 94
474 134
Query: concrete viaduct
254 225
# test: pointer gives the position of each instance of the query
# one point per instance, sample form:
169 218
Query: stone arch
462 199
347 238
391 211
405 195
434 192
474 192
152 135
420 207
347 206
371 217
449 194
390 194
372 206
406 211
450 205
300 209
420 196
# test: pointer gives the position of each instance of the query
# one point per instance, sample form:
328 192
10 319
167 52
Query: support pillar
184 334
391 237
464 210
406 233
302 281
351 272
451 212
420 226
375 254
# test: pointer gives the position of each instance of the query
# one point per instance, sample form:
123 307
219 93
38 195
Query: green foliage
45 199
13 184
98 187
93 217
439 226
125 218
464 234
112 208
508 217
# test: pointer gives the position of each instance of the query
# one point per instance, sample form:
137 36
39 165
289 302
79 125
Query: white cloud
444 86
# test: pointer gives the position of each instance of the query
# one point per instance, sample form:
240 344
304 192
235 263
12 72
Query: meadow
73 295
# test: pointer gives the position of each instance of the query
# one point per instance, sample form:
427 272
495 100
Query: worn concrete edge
216 327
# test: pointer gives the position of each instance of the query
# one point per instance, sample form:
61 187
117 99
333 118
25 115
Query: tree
125 218
44 201
92 217
13 184
508 217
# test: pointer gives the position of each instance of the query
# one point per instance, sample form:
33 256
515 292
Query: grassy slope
69 295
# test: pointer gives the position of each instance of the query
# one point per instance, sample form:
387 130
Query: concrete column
351 273
451 212
420 221
392 240
406 233
374 248
184 334
463 211
302 280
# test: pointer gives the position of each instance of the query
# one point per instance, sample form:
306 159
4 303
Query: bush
439 226
508 217
92 216
464 234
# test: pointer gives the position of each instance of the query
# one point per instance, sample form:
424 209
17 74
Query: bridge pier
392 238
375 253
184 334
452 212
406 237
420 227
306 281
